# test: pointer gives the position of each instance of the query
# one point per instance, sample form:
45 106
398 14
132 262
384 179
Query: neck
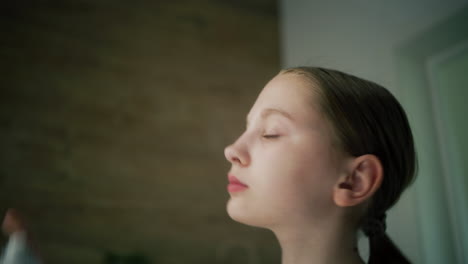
326 244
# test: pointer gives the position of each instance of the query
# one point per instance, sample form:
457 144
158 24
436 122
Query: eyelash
270 136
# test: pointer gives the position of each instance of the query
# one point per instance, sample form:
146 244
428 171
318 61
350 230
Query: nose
237 155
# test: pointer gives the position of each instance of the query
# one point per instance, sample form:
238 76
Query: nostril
237 154
231 155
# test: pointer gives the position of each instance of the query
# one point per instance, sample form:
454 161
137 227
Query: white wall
360 37
356 36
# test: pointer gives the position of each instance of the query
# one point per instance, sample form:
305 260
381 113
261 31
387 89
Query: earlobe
364 177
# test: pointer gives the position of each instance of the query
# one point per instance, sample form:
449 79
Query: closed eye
271 136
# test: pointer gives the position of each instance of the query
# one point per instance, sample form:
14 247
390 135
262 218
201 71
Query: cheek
288 181
304 161
300 174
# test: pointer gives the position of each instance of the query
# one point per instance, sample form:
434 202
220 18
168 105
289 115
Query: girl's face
285 158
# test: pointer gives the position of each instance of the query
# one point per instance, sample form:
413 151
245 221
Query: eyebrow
273 111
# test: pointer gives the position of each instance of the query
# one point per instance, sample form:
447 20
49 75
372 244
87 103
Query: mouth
235 185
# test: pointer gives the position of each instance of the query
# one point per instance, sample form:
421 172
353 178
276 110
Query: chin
241 213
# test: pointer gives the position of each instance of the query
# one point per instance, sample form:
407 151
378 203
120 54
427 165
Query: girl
324 154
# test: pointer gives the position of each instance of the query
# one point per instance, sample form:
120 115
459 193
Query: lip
235 185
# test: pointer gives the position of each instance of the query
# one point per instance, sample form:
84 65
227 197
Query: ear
363 178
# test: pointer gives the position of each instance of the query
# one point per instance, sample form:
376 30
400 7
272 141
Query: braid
374 226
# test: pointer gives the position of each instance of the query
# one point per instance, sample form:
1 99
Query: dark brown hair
367 119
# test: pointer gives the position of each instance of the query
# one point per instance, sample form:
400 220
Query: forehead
290 93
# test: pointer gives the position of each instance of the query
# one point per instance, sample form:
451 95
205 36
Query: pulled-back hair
367 119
